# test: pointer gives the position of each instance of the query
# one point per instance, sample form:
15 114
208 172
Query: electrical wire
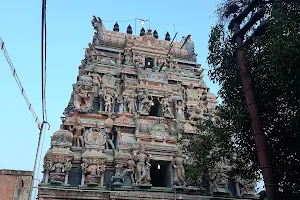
15 75
130 20
43 72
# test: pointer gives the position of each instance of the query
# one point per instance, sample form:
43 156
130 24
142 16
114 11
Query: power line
15 75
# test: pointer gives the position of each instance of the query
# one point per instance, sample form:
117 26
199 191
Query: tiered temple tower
135 96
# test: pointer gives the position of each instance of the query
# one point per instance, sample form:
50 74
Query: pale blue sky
69 30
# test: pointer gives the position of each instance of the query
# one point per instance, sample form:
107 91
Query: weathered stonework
135 96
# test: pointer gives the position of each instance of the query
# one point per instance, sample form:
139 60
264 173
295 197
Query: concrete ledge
15 172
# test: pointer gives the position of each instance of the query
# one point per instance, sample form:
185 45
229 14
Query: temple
134 98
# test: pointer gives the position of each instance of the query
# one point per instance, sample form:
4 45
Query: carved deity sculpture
166 107
77 131
108 125
179 172
120 105
219 177
197 112
96 83
180 110
128 55
130 165
108 99
93 168
60 168
83 98
140 158
146 104
148 166
138 60
119 59
131 103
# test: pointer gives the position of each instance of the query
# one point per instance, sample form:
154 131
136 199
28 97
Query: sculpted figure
179 110
138 60
131 103
119 59
166 106
219 177
140 160
108 98
119 102
96 83
179 172
130 165
77 131
82 99
108 125
94 171
128 55
148 166
197 113
146 104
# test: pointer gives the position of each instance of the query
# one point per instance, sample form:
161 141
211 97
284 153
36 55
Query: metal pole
260 138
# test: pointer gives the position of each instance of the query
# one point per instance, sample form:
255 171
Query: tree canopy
273 62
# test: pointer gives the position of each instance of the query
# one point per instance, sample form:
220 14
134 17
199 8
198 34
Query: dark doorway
160 173
156 109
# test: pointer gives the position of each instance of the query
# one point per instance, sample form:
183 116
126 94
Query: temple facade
134 98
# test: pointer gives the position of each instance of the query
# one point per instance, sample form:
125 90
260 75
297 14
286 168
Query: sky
69 31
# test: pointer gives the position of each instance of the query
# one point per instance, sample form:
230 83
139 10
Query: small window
149 62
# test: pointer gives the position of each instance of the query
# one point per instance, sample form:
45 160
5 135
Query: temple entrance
160 172
156 109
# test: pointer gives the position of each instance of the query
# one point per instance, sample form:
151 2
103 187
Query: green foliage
274 67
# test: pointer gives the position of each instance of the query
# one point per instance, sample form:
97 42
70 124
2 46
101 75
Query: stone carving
131 103
119 59
166 106
57 161
159 130
93 168
130 166
96 83
122 119
94 138
179 172
138 60
62 138
91 53
141 162
160 61
77 131
211 102
188 128
176 129
109 80
108 125
109 96
180 110
153 76
197 112
97 23
120 104
128 55
83 97
60 169
146 104
219 177
247 187
107 61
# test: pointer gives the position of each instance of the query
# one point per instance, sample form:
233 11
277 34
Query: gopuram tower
135 96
